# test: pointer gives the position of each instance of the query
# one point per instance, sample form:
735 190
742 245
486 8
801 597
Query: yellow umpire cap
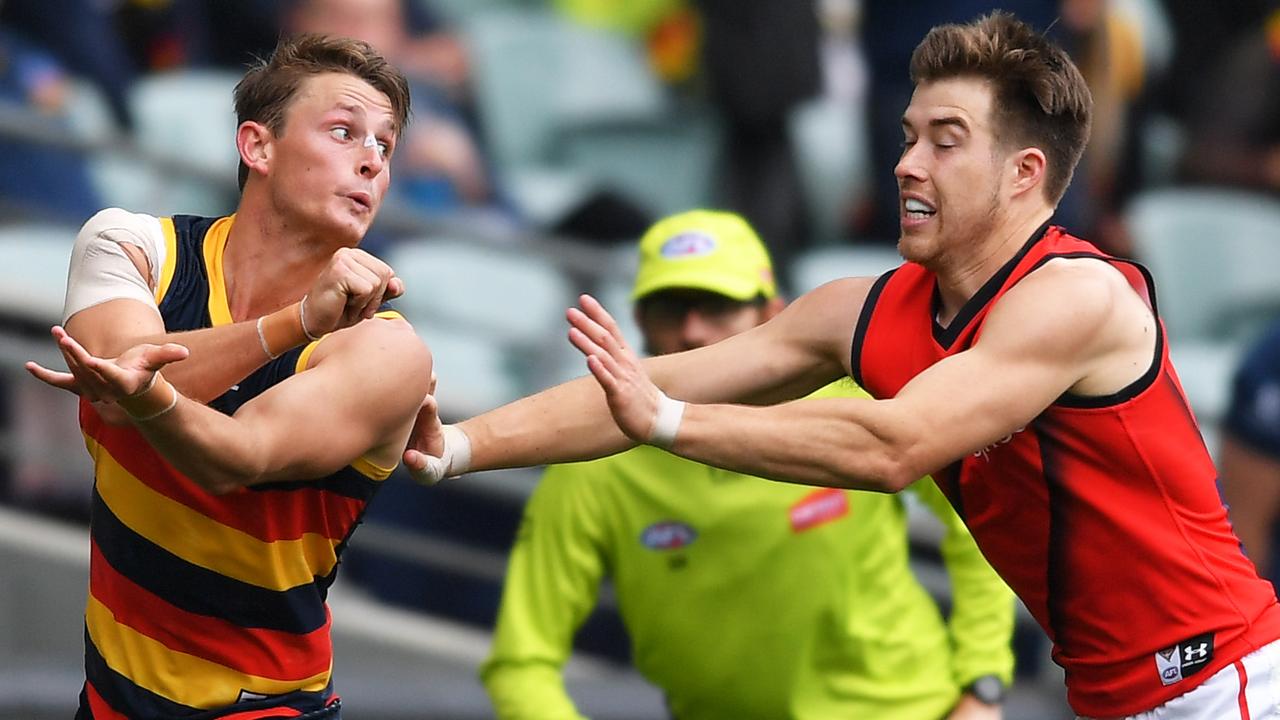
707 250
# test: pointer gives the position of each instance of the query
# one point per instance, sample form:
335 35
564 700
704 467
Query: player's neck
969 268
265 265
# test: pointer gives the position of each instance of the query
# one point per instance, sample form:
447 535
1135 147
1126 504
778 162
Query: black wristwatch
988 689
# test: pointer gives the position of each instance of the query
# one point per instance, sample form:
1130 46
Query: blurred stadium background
585 120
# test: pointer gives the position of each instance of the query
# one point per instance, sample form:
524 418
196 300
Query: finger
607 381
595 310
594 324
414 460
79 362
60 380
584 344
155 357
395 288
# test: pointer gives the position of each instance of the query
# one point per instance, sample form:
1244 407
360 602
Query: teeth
914 205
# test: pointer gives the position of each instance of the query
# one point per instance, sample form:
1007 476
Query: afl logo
689 244
667 535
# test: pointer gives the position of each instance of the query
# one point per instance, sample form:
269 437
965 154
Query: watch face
989 689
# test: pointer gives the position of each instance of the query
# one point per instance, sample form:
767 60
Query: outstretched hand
106 380
633 398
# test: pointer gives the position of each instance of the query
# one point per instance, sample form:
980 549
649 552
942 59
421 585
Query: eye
384 148
340 133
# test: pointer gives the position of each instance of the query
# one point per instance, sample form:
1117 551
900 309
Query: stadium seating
826 263
493 316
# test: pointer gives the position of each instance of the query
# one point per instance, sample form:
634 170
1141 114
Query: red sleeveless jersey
1102 514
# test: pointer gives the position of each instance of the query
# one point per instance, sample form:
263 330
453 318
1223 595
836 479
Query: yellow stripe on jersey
371 469
170 257
148 663
215 243
201 541
304 357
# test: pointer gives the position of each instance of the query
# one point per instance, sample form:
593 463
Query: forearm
214 450
219 356
833 443
566 423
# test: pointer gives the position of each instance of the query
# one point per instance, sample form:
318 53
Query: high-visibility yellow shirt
744 598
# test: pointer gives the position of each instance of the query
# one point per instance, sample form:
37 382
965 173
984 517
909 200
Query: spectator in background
1234 123
439 166
40 179
761 59
81 36
861 640
1250 453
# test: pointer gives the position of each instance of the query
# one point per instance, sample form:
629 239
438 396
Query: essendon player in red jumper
1023 367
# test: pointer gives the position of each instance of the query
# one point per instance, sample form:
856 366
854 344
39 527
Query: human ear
1028 169
253 141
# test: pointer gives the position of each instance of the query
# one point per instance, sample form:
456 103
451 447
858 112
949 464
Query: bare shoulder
1075 291
1079 311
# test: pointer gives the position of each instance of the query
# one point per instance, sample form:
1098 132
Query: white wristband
667 423
454 460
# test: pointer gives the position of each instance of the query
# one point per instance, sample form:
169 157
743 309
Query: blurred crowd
1186 92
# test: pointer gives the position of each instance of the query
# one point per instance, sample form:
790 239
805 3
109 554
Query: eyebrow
947 121
390 124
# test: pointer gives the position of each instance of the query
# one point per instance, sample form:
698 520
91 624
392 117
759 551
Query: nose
695 330
371 162
909 166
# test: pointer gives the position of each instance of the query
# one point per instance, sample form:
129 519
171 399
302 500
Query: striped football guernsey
204 606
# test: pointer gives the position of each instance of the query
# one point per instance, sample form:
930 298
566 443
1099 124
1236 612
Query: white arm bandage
101 271
667 423
455 459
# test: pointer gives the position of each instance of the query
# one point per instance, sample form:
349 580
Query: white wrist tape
453 461
667 423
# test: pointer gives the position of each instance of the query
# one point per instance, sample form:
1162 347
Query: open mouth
916 209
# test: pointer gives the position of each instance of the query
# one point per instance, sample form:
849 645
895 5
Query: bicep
1027 357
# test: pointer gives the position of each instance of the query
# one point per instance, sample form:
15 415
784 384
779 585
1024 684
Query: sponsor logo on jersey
985 453
1184 659
818 507
668 535
688 244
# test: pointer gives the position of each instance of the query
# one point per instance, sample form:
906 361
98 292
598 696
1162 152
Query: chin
916 249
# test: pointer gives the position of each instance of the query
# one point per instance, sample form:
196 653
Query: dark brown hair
264 93
1039 99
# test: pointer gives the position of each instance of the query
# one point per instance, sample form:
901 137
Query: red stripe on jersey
99 707
254 651
267 515
1241 699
